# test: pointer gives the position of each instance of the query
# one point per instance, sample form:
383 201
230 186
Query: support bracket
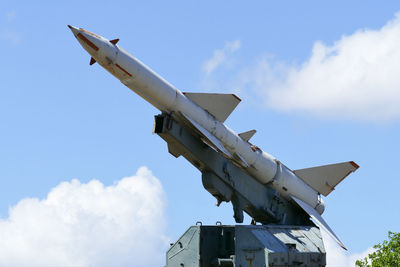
226 180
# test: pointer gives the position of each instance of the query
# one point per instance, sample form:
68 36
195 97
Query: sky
78 163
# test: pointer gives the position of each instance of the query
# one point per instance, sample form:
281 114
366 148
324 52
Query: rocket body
165 97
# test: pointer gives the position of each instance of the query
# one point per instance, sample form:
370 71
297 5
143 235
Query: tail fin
247 135
324 178
317 218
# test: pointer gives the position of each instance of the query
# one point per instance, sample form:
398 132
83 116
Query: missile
205 113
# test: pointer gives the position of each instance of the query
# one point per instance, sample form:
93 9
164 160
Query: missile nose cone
101 49
74 30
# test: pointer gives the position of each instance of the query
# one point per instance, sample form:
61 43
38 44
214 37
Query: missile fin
247 135
318 220
92 61
218 105
209 138
114 41
324 178
241 160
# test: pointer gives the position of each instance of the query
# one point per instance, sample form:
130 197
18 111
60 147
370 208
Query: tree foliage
387 254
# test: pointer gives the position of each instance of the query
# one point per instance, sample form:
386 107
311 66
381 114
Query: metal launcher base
286 238
227 181
248 245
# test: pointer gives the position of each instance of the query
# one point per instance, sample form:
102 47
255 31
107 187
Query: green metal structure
248 245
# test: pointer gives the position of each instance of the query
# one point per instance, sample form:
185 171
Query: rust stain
250 260
88 42
91 33
255 148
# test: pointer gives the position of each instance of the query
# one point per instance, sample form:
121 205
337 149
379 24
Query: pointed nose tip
73 29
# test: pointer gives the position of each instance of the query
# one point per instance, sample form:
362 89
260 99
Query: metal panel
186 251
248 246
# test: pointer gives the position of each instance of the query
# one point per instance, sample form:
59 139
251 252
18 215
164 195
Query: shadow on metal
287 236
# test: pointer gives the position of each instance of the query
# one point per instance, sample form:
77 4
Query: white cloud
11 15
89 225
358 77
220 56
11 36
8 34
336 256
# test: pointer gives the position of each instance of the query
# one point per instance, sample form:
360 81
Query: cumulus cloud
357 78
80 224
336 256
220 56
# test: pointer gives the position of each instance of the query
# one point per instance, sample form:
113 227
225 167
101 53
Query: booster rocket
206 113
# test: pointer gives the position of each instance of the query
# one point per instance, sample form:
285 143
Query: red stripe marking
89 32
86 40
355 165
235 96
121 68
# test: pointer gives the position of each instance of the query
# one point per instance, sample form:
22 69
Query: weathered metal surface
248 246
204 114
227 181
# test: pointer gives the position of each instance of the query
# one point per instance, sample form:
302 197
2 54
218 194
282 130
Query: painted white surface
324 178
219 105
164 96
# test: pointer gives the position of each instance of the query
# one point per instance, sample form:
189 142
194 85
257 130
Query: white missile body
165 97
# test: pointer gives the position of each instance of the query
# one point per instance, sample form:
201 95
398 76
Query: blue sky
297 66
